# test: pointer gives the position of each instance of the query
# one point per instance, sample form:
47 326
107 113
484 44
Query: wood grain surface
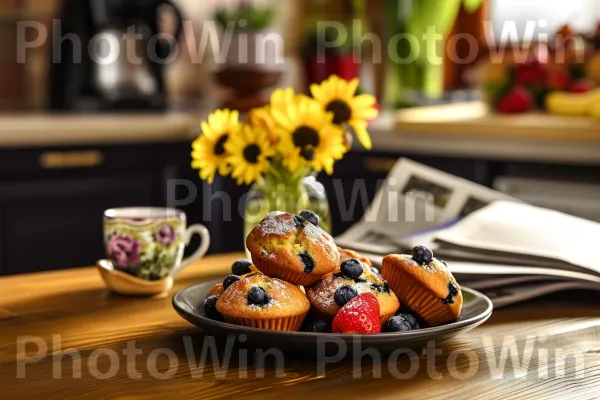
74 307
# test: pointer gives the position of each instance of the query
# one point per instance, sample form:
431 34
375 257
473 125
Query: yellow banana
595 111
576 104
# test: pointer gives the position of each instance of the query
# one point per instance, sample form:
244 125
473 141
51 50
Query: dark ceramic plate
476 309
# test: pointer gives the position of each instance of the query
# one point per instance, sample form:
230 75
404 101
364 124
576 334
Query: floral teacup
148 242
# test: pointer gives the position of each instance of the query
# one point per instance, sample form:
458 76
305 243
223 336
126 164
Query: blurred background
505 97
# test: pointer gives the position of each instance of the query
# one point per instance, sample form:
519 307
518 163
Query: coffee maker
110 55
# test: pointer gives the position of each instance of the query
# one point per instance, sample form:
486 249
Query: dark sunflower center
308 153
305 136
251 153
219 148
341 111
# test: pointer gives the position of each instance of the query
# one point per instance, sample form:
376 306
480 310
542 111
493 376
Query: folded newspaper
510 250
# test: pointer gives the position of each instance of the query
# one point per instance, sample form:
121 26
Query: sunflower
208 150
308 135
262 118
249 153
338 96
281 98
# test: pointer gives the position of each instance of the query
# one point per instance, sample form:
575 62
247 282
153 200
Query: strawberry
581 86
359 316
558 79
531 73
516 101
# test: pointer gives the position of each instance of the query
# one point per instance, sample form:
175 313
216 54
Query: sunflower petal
316 92
351 88
205 129
367 113
281 118
360 129
234 118
341 88
364 101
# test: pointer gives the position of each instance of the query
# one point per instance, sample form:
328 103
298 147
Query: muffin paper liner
277 324
275 271
417 297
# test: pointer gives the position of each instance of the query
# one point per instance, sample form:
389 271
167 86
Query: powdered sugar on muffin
289 247
271 225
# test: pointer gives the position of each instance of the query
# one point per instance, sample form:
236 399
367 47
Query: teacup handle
200 251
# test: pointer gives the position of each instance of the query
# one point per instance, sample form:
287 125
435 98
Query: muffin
424 284
346 254
240 267
216 290
258 301
289 247
335 290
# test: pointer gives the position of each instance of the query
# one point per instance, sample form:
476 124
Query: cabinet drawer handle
379 164
71 159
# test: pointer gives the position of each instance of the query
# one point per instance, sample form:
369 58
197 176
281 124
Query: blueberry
320 325
411 319
210 308
310 217
344 294
375 271
397 324
258 296
229 280
422 255
452 288
299 221
307 261
452 293
385 288
352 268
241 267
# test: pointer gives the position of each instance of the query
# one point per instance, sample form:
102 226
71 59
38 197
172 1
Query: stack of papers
510 250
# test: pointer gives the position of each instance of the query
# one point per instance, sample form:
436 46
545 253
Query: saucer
188 302
123 283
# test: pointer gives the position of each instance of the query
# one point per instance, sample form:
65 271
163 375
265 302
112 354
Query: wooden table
71 311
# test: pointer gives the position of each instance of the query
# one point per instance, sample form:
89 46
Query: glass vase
280 190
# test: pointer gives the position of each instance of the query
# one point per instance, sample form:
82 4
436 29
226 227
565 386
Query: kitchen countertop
469 130
100 345
40 130
434 131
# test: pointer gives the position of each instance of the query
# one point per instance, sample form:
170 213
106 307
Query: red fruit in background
558 79
581 86
518 100
531 73
359 316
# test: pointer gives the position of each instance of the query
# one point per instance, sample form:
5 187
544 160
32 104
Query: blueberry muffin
346 254
335 290
293 248
257 301
240 267
424 284
216 290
